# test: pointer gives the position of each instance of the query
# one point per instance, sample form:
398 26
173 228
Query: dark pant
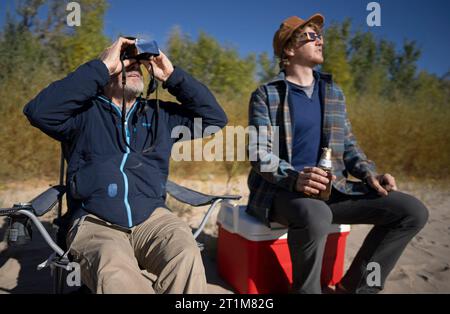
397 218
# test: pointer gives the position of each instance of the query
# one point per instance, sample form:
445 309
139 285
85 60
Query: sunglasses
310 36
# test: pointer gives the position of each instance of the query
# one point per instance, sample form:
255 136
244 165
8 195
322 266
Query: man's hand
383 183
312 180
111 55
162 66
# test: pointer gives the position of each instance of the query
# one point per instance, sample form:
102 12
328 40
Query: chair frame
59 260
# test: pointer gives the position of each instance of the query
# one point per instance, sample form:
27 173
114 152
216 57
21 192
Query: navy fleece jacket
119 183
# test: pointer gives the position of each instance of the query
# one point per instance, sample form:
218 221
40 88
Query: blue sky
249 25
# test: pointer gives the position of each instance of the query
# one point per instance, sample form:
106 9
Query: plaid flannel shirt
269 108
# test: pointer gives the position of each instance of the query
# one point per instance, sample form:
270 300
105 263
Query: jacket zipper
124 159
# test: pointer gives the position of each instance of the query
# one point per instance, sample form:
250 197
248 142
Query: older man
309 108
116 177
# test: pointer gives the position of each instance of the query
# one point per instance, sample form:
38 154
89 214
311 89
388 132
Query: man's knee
116 271
184 244
182 271
413 212
312 216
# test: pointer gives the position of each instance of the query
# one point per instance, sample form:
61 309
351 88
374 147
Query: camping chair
21 215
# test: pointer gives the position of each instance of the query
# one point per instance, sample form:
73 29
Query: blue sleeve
196 101
55 109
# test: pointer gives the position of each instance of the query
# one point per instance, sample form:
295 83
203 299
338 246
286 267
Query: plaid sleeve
262 148
356 162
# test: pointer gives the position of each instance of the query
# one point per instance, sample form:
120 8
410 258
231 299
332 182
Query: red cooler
253 258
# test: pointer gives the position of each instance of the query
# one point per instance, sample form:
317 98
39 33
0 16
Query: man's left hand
162 66
383 183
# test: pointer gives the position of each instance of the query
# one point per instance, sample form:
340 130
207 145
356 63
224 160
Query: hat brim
316 18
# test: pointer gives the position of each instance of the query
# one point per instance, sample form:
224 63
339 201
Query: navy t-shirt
306 125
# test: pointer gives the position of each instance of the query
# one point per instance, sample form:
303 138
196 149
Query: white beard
134 89
131 90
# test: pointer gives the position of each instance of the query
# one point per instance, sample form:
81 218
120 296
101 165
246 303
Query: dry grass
407 138
410 139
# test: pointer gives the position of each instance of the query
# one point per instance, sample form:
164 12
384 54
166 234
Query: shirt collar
317 75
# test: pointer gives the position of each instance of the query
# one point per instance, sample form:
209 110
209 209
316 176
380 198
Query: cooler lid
234 219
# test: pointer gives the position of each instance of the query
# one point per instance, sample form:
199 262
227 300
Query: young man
116 196
309 109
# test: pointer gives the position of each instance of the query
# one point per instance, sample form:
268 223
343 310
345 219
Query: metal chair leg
58 280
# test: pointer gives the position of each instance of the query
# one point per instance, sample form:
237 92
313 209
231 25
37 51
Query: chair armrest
194 198
45 201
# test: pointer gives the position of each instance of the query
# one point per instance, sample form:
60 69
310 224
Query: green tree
404 69
335 55
363 59
87 41
370 62
32 55
219 67
26 69
268 67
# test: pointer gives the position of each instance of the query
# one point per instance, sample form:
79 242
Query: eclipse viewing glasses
141 50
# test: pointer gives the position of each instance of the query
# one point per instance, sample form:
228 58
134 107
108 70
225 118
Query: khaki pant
158 256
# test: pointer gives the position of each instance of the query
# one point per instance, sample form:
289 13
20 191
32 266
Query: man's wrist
167 76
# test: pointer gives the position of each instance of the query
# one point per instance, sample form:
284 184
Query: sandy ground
423 268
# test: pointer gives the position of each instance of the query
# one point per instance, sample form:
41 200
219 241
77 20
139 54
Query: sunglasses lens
311 36
315 36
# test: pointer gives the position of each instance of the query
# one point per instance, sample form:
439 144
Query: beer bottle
325 164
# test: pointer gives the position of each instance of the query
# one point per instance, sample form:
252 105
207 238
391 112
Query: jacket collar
108 104
282 77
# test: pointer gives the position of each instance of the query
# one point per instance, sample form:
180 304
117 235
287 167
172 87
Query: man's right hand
111 55
312 180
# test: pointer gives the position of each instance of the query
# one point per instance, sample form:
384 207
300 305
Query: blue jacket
120 184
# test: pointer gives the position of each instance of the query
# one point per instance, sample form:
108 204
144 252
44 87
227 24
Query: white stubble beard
133 90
